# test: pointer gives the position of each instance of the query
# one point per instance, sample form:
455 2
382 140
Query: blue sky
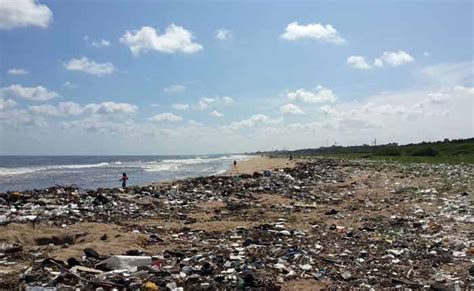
100 78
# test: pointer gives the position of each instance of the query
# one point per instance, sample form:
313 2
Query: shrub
428 151
388 151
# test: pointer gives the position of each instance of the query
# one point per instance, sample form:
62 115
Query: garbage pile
344 223
68 205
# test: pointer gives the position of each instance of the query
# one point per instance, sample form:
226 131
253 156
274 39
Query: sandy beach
260 163
324 209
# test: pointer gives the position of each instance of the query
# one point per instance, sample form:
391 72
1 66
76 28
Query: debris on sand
344 223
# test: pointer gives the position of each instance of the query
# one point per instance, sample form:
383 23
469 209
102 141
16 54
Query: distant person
124 180
235 164
291 157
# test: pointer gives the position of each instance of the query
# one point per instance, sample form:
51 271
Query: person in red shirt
124 180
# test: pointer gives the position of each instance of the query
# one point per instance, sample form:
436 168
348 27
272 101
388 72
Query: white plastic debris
126 262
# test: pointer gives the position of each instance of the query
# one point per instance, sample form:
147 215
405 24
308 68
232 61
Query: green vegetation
447 151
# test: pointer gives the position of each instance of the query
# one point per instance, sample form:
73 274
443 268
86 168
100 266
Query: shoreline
254 163
248 166
149 180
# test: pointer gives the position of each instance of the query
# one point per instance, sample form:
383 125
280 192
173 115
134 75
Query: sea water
37 172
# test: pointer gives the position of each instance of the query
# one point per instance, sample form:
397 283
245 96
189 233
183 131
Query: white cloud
227 100
110 107
449 74
318 95
100 43
16 71
174 88
179 106
23 13
69 85
358 62
194 123
326 109
223 34
252 121
89 66
216 113
43 109
7 104
205 102
378 63
38 93
175 39
167 116
19 117
393 59
102 115
101 125
72 109
396 59
326 33
291 109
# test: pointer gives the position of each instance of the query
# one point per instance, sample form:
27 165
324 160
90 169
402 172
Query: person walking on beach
235 164
124 180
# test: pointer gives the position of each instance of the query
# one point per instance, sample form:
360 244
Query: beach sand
260 163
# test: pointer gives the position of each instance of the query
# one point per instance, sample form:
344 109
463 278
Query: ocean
19 173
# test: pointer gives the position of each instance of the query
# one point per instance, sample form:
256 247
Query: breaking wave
28 170
182 164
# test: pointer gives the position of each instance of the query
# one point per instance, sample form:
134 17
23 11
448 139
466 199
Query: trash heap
411 229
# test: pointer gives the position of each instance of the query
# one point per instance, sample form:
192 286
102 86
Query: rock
73 262
331 212
306 267
171 285
91 253
346 275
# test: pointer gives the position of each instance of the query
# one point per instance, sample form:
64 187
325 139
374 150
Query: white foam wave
28 170
172 165
15 171
98 165
205 159
160 167
181 164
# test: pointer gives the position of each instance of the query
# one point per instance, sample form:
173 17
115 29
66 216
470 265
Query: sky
182 77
